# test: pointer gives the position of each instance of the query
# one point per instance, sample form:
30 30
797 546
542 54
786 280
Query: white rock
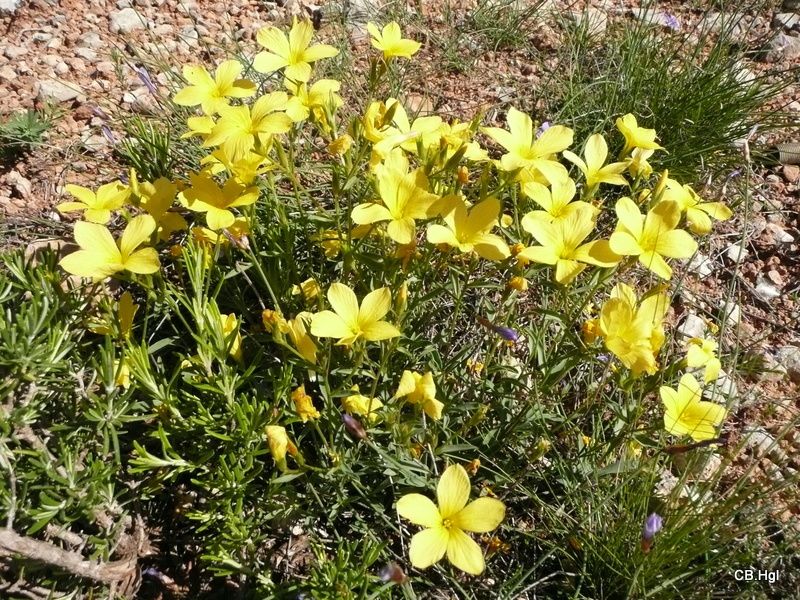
22 185
86 53
763 444
656 17
779 234
7 7
783 47
767 290
731 313
91 40
14 52
126 21
789 358
700 265
62 68
737 252
786 20
594 19
60 91
724 390
692 326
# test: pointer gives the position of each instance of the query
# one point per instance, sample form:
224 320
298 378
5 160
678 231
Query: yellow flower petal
419 509
480 516
428 547
465 553
452 492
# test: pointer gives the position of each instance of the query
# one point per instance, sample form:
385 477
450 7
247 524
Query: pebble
779 234
783 47
8 7
20 184
766 290
692 326
791 173
53 89
594 19
789 358
737 253
786 20
126 21
86 53
763 444
62 68
700 265
731 313
724 390
91 40
14 52
771 369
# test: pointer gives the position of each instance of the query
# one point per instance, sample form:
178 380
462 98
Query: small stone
779 234
42 36
86 53
775 277
22 185
731 313
656 17
763 444
692 326
126 21
8 7
700 265
14 52
783 47
189 35
737 252
766 290
771 369
791 173
789 358
7 73
723 390
50 60
60 91
594 19
62 68
786 20
91 40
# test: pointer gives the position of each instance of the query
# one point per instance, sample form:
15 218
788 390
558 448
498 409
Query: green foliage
690 85
22 131
504 24
147 148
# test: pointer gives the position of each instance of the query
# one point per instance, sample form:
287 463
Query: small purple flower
99 112
104 129
542 128
734 173
506 333
652 525
671 21
354 426
144 76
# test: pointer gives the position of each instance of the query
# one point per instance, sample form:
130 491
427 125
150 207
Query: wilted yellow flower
420 389
702 353
309 288
518 283
390 41
122 374
233 338
297 329
279 445
340 145
358 404
273 321
304 405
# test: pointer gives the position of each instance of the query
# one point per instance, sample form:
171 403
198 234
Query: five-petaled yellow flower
562 245
446 525
100 256
212 93
651 237
556 201
420 389
525 151
687 414
205 195
405 198
390 41
97 207
294 54
349 322
594 170
468 230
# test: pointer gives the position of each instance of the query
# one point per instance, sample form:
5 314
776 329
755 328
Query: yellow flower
298 334
97 207
340 145
594 170
100 256
279 445
198 126
405 198
303 405
273 321
556 201
562 245
157 198
637 163
122 374
468 230
518 283
306 101
243 128
445 525
390 41
126 310
359 404
348 321
236 233
420 389
702 353
633 331
212 93
425 131
526 151
698 213
687 414
653 237
294 54
233 339
635 136
205 195
309 288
